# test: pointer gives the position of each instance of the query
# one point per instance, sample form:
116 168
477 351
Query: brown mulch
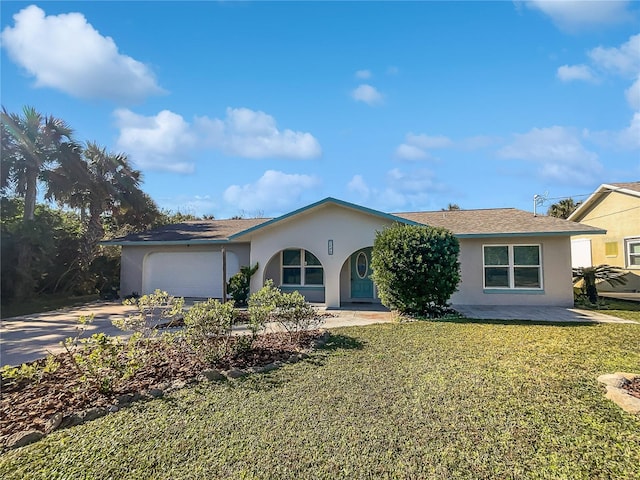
28 405
633 387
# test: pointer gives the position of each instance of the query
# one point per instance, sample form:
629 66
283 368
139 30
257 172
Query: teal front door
361 284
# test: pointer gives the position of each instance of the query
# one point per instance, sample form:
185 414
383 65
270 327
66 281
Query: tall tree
451 207
102 183
563 208
31 144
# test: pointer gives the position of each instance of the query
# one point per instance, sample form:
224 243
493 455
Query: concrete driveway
539 314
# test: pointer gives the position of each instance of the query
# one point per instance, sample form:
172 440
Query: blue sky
260 108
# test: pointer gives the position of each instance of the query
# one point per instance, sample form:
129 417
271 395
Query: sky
259 108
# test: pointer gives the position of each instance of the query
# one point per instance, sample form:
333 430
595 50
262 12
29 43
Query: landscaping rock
71 421
177 385
156 393
125 399
53 423
235 373
213 375
613 380
20 439
93 413
113 408
621 397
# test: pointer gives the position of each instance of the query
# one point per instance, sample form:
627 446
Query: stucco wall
556 272
619 214
132 260
350 231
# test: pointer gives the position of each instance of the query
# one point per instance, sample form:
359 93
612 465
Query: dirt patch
29 405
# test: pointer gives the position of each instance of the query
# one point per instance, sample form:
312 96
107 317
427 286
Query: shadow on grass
342 342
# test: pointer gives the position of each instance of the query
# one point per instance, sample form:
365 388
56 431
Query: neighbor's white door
187 274
580 253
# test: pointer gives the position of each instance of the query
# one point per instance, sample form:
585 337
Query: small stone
213 375
113 408
156 393
270 366
293 358
613 380
235 373
621 397
93 413
177 384
124 399
20 439
53 422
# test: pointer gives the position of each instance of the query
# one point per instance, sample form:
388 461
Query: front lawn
44 303
419 400
618 308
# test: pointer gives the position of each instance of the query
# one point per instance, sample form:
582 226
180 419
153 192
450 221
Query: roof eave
585 206
161 242
532 234
319 203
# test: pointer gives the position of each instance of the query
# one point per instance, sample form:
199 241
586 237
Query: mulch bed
633 387
28 405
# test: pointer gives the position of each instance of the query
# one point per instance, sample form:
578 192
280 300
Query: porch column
332 287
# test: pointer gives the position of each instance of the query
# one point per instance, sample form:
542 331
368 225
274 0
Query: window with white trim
632 249
512 266
300 267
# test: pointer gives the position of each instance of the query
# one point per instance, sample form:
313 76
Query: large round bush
416 268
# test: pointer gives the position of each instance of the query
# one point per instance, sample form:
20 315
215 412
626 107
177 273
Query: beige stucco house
614 207
323 250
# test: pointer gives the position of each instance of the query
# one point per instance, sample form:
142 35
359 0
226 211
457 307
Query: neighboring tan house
323 250
614 207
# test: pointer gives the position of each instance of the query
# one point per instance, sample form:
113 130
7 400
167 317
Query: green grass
44 303
445 400
618 308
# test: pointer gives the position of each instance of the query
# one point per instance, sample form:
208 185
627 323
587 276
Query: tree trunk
30 193
94 234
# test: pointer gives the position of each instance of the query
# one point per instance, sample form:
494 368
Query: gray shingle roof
635 186
492 221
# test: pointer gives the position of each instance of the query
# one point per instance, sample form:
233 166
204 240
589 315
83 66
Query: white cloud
576 15
65 52
254 134
274 191
363 74
367 94
158 142
626 139
624 60
416 147
559 153
633 94
166 141
358 186
568 73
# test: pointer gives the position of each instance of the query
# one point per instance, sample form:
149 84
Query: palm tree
591 275
31 143
563 208
102 182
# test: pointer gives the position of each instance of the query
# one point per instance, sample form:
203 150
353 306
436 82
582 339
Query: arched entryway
297 269
356 285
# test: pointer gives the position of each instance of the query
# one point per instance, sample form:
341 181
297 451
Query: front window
632 247
512 266
300 267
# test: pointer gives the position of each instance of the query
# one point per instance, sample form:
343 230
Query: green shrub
416 268
28 371
261 306
208 329
238 286
153 309
295 314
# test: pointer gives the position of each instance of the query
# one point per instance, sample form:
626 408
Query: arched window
300 267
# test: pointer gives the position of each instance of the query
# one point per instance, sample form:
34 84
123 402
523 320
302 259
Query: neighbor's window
300 267
611 249
512 266
632 247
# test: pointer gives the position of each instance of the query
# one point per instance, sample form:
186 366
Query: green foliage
291 310
238 286
208 329
590 276
28 371
563 209
103 361
261 306
153 309
416 268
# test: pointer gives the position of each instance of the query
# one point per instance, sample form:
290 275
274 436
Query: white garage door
187 274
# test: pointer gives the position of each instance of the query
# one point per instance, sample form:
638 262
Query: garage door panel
187 274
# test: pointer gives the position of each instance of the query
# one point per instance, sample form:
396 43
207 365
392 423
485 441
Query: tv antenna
539 200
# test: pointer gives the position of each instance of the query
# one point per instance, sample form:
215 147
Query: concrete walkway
539 314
